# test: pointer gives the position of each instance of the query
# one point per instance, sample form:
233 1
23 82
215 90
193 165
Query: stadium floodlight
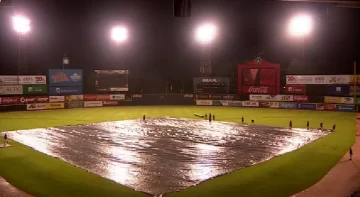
206 33
21 24
300 25
119 34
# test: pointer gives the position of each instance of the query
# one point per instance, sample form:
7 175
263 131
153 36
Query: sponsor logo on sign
40 79
347 100
65 90
36 106
259 89
117 97
110 102
56 98
54 105
330 99
9 80
274 104
265 104
320 107
93 104
349 108
250 104
11 90
60 77
204 102
75 77
214 96
209 80
34 99
338 79
287 105
296 89
74 98
137 96
329 106
319 79
285 98
301 98
305 79
306 106
9 100
89 97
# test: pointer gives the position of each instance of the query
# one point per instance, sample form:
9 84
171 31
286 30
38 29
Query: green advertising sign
357 101
35 89
75 104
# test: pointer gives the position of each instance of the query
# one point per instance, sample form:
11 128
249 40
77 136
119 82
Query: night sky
161 47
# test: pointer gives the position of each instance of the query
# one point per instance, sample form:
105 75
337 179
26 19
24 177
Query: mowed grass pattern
41 175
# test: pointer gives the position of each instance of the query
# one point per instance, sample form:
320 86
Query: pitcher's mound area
163 155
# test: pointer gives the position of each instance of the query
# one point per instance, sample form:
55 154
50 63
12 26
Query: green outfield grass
41 175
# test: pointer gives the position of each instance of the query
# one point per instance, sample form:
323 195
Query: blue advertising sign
65 77
306 106
338 89
288 105
55 91
349 108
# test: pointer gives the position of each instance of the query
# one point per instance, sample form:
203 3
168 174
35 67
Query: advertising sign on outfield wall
93 104
330 107
306 106
33 99
34 89
38 79
54 105
288 105
75 104
56 98
305 79
348 108
320 106
109 103
204 102
339 100
338 89
254 97
9 80
117 97
71 98
274 104
11 90
250 104
65 90
65 77
259 89
36 106
9 100
295 89
298 98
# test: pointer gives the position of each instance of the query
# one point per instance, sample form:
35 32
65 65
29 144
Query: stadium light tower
21 25
205 35
300 26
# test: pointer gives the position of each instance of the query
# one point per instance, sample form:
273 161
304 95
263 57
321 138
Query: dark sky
163 47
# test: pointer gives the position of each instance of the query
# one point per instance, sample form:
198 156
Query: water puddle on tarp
163 155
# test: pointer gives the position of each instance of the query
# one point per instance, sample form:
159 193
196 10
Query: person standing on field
213 117
307 125
242 119
5 139
290 124
351 153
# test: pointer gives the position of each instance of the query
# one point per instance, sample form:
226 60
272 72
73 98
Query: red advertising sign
295 89
330 107
301 98
90 97
34 99
267 77
9 100
259 89
103 97
110 102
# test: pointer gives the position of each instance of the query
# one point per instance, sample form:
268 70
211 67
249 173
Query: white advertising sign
347 100
36 106
274 104
271 97
204 102
11 90
38 79
305 79
338 79
250 104
93 104
56 98
9 80
117 97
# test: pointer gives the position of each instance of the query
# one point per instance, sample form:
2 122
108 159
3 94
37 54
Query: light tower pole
22 27
205 34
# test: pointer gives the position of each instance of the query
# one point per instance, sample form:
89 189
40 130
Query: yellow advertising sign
354 79
333 99
54 106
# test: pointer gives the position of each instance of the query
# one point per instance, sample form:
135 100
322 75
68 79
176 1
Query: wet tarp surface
163 155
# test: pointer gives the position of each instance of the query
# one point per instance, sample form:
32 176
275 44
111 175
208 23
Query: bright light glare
206 33
21 24
300 25
119 34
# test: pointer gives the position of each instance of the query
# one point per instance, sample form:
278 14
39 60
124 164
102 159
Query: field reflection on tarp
163 155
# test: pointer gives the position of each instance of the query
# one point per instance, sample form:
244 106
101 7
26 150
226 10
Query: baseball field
42 175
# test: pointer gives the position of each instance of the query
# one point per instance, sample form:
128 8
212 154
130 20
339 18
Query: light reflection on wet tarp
163 155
